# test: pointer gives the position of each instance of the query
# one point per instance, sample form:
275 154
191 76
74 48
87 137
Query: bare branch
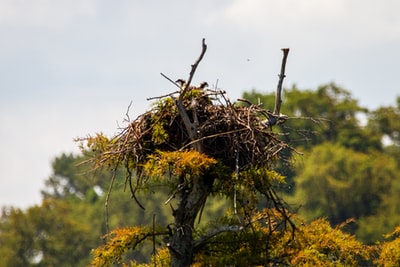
190 126
162 96
128 119
169 79
194 67
278 96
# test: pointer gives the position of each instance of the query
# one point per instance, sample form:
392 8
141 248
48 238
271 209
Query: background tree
385 122
327 114
340 183
72 178
45 235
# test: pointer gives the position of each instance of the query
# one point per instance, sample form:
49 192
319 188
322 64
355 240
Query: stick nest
230 133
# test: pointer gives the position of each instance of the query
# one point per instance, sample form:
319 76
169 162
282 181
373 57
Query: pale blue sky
69 68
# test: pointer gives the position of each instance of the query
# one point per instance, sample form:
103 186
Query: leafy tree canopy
328 114
339 183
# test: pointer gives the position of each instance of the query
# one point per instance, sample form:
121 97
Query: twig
128 119
209 137
169 79
162 96
278 96
133 195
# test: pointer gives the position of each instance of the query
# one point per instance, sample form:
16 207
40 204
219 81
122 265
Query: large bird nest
233 134
237 135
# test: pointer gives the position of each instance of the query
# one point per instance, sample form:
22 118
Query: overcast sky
71 68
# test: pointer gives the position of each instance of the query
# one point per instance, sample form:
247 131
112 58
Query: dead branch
169 79
191 127
162 96
278 96
194 67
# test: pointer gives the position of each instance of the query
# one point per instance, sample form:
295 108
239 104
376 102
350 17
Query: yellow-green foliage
261 177
252 246
159 134
194 93
318 244
118 242
97 143
390 251
266 242
390 254
176 163
160 258
100 147
163 109
163 104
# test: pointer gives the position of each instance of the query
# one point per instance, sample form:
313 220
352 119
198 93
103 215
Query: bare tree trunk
191 199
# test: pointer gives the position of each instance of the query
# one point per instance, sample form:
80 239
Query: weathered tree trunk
191 199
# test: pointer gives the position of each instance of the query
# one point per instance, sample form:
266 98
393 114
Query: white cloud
44 13
351 23
256 14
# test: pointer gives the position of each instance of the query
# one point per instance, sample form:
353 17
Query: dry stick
278 96
133 190
162 96
169 79
208 137
190 127
194 67
170 94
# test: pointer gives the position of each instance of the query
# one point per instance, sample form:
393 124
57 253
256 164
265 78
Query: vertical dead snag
278 95
276 117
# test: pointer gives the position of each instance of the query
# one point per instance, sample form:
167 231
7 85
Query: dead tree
226 141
